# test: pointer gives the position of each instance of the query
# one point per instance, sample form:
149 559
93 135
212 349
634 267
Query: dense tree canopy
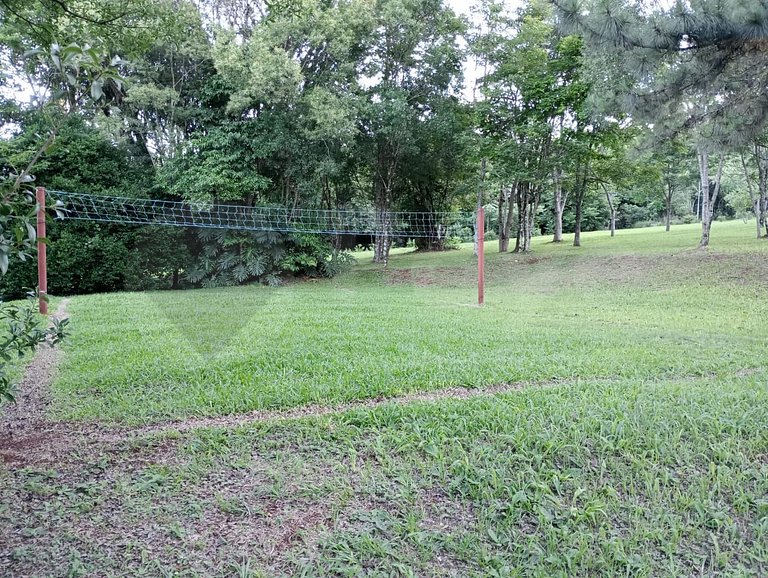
589 114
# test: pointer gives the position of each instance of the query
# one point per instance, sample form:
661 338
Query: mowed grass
612 478
637 306
636 446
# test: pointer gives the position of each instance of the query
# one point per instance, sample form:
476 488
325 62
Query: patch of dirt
429 276
24 428
316 410
748 372
529 260
27 435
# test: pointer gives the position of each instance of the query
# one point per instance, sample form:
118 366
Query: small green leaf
71 50
96 90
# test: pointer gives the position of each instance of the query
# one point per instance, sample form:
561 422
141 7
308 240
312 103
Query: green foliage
221 165
77 77
95 258
76 254
678 65
18 236
223 257
89 257
158 256
24 330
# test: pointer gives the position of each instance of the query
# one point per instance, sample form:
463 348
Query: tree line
586 115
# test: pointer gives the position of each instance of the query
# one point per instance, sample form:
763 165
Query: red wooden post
42 264
480 255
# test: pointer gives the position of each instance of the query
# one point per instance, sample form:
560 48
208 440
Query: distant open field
604 414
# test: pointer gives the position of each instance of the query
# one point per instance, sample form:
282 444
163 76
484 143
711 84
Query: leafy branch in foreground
77 76
25 331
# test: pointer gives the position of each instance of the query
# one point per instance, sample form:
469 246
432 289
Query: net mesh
87 207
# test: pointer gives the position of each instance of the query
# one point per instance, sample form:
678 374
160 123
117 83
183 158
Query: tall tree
759 198
534 114
413 62
517 109
662 169
667 56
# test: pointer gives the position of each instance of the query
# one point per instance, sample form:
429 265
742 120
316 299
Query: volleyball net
132 211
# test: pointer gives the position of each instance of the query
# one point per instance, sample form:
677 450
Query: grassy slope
637 306
652 464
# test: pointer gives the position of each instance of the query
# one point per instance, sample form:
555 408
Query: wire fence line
110 209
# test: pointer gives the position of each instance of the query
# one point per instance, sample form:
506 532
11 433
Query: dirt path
25 430
314 410
28 436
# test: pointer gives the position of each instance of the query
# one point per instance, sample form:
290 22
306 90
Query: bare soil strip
316 410
23 425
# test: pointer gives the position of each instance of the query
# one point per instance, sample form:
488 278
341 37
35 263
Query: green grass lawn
638 445
648 311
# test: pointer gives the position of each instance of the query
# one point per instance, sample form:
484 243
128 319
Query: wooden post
480 230
480 255
42 264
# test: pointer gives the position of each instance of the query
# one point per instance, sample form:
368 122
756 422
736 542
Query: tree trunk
560 200
762 212
383 240
754 199
381 200
505 220
668 208
706 222
581 191
612 208
577 222
535 198
527 203
522 202
708 194
761 158
503 242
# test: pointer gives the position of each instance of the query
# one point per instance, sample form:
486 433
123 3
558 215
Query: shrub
452 243
24 331
222 257
491 235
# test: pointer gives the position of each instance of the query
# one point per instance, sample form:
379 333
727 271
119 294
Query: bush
630 216
96 258
643 224
464 234
221 257
337 262
452 243
24 331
